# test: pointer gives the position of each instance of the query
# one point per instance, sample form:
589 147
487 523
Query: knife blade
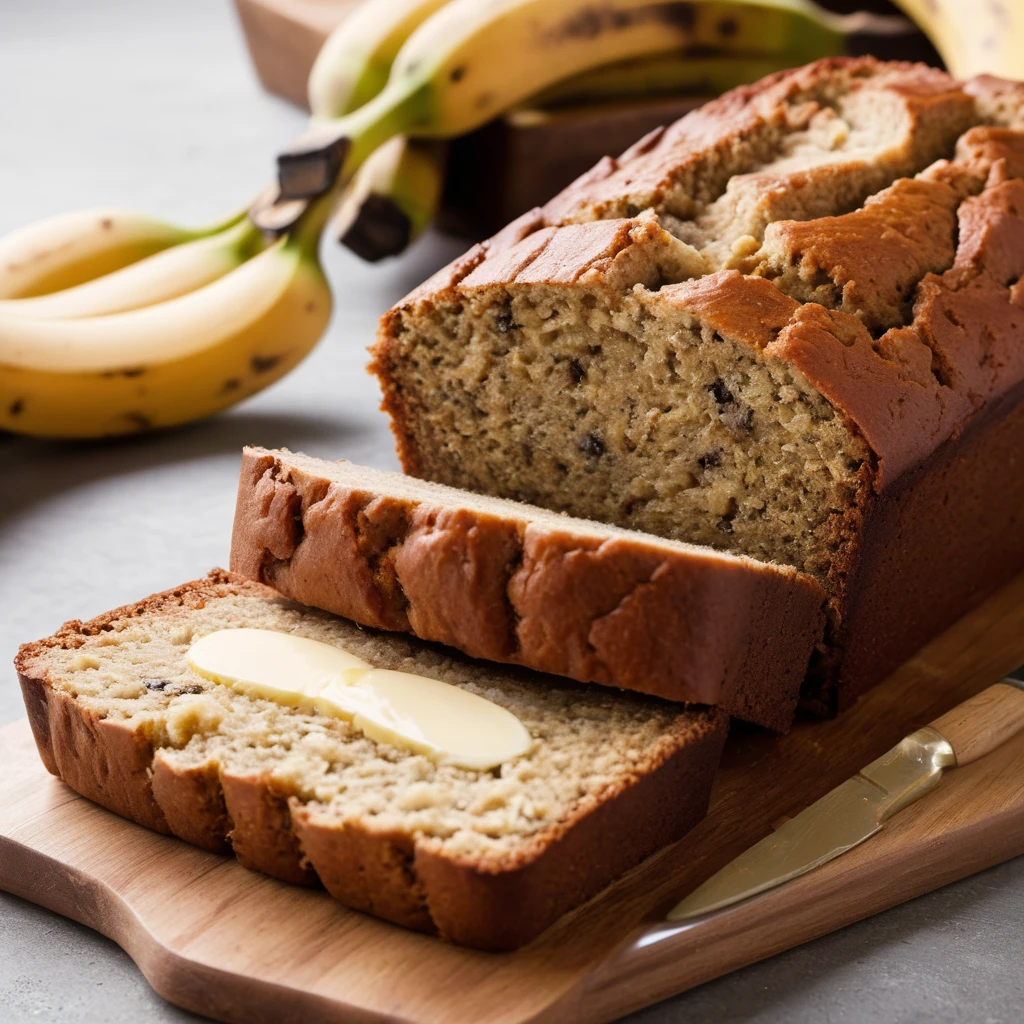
858 808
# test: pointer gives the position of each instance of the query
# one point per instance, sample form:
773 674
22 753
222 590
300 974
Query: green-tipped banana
393 197
173 362
70 248
354 63
175 271
470 61
973 37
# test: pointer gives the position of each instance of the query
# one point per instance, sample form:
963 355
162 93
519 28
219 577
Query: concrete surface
153 105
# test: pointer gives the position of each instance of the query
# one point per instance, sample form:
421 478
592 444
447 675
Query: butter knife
857 809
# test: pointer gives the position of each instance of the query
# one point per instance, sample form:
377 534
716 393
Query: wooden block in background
284 37
521 160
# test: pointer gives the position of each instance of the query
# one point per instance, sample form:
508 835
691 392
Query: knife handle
981 724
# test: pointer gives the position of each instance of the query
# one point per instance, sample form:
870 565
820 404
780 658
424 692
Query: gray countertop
154 106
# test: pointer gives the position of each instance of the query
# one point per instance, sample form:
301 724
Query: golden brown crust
262 836
623 611
874 257
108 762
193 594
503 911
365 869
193 804
396 877
920 568
646 174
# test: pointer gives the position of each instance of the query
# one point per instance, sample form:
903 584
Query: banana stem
334 150
236 218
305 235
246 236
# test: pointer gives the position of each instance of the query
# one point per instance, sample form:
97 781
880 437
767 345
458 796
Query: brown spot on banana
681 15
16 407
592 22
139 420
264 364
134 371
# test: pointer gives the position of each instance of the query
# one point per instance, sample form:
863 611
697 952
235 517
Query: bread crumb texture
589 743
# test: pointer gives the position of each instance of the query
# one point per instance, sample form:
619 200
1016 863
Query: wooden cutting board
238 946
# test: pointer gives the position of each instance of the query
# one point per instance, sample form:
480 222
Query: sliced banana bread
483 858
790 325
514 583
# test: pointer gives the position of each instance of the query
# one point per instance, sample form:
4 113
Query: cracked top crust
860 221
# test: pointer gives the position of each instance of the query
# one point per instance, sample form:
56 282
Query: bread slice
788 325
517 584
483 858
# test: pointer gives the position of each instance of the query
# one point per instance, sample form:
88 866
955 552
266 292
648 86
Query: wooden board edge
40 879
912 857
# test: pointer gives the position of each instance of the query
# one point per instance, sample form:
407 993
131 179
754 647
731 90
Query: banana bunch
442 69
112 322
471 60
157 325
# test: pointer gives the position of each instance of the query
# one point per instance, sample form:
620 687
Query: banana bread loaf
483 858
790 325
513 583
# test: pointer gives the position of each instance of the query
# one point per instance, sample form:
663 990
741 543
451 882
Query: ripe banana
354 63
172 362
470 61
175 271
63 251
393 197
973 37
664 74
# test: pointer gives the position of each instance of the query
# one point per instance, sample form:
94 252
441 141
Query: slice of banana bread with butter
789 325
514 583
486 858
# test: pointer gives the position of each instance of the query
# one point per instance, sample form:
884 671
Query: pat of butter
409 711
